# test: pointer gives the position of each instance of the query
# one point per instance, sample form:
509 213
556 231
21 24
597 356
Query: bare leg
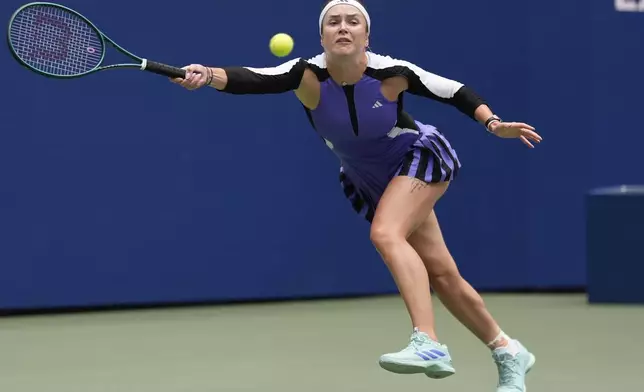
402 208
512 359
455 292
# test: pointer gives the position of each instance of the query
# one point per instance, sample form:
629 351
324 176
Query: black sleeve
272 80
438 88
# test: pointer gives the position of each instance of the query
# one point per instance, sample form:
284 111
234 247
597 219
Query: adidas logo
377 104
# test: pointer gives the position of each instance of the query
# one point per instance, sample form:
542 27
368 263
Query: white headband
352 3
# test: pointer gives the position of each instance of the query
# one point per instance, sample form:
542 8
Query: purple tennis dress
373 137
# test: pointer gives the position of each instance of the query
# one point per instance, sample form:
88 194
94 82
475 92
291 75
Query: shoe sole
434 371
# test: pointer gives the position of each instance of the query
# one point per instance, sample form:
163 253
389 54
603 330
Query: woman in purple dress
393 170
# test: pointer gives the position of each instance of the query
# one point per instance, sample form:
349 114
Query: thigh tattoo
417 184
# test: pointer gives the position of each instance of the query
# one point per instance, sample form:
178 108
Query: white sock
502 340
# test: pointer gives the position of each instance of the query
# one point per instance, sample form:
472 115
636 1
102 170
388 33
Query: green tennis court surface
313 346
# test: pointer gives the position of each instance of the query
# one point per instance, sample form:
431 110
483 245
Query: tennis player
393 170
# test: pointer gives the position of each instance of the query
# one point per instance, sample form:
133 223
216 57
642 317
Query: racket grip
162 69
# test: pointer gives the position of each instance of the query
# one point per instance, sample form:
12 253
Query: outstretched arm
246 80
454 93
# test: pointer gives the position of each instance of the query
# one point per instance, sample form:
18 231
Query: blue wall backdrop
123 188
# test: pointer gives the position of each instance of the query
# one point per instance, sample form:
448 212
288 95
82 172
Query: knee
444 277
452 285
445 282
384 237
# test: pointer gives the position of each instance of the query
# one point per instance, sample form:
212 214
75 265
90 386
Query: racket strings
55 41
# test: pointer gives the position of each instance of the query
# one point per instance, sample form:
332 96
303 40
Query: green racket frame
143 64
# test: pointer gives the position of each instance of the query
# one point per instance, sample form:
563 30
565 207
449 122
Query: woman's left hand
519 130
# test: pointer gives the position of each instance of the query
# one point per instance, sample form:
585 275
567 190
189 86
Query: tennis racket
56 41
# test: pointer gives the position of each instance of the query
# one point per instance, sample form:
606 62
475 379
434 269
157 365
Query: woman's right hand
196 77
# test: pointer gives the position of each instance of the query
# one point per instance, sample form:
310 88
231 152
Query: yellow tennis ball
281 44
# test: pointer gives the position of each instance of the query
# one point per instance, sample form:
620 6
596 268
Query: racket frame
144 64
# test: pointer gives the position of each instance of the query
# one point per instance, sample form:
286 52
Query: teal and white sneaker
513 368
422 355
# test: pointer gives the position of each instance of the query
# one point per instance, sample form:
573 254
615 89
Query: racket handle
162 69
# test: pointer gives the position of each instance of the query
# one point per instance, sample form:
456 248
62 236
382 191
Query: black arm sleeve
272 80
